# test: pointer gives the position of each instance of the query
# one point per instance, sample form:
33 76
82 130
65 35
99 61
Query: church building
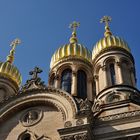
89 96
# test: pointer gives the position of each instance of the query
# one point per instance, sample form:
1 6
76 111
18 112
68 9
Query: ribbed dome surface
71 50
11 72
107 43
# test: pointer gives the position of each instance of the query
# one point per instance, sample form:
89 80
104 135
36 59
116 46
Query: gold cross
15 43
74 25
106 20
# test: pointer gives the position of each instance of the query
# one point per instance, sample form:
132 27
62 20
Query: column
57 81
132 76
74 83
89 88
104 78
118 73
96 77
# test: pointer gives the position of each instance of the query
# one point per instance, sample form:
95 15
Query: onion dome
7 69
71 50
109 41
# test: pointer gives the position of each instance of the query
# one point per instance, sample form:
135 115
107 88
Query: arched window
66 80
26 136
81 84
94 87
112 74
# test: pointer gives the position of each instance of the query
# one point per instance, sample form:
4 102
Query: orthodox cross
35 72
15 43
74 25
106 20
10 57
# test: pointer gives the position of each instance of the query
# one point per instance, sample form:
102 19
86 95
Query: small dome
10 71
109 42
71 50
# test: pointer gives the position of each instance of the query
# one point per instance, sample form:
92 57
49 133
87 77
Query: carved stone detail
34 82
31 117
120 116
96 77
118 64
104 68
96 108
68 124
84 106
81 136
57 77
79 122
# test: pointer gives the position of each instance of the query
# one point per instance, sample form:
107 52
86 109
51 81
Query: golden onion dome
8 70
11 72
109 41
73 49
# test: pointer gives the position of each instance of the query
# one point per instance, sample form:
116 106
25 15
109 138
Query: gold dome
109 41
7 69
73 49
10 71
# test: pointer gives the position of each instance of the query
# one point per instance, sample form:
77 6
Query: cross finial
15 43
74 25
35 72
106 20
10 57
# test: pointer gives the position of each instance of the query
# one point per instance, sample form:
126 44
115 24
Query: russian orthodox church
89 96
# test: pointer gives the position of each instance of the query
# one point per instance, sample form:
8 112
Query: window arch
81 84
112 73
66 78
26 136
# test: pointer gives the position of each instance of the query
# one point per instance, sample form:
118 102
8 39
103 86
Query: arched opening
94 88
26 136
112 73
66 80
81 84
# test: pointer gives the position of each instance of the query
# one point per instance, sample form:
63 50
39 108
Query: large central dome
71 50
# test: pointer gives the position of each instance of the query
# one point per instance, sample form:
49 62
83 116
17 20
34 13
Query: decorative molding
120 116
80 136
44 95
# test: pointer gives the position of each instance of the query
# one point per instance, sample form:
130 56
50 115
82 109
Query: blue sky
42 26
